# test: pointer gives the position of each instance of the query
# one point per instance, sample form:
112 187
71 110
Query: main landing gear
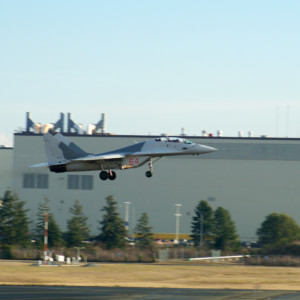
111 175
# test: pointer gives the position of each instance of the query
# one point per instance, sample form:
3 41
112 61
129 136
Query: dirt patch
153 275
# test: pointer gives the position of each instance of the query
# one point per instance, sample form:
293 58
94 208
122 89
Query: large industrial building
250 177
6 161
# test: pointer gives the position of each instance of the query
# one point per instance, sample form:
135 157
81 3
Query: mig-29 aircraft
64 156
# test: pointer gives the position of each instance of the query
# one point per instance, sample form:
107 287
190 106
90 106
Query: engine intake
58 168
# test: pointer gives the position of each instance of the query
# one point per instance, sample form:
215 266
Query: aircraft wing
112 156
109 156
86 158
155 153
99 157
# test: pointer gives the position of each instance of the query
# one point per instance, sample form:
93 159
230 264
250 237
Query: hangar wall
251 177
6 160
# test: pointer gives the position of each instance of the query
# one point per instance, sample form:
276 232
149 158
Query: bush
284 249
7 252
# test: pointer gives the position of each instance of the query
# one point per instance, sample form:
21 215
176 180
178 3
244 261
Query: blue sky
152 66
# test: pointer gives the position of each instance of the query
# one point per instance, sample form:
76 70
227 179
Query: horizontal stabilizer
39 165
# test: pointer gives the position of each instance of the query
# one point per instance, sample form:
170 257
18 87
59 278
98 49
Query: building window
28 181
73 182
33 181
42 181
82 182
87 182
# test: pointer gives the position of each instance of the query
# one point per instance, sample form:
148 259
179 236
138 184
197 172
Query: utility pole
178 215
46 238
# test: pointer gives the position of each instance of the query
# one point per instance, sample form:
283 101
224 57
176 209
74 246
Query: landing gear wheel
103 175
112 175
148 174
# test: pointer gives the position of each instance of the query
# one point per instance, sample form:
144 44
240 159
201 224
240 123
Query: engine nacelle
58 168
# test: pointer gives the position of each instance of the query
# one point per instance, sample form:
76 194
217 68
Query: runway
114 293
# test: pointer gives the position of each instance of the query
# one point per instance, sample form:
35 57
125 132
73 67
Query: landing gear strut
111 175
150 172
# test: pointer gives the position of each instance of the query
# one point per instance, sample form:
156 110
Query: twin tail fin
60 150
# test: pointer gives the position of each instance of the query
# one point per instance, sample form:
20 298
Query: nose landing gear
150 172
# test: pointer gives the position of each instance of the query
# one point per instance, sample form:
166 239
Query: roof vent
101 125
32 125
78 128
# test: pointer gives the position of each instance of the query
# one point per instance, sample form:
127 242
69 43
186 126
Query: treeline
210 229
17 229
277 234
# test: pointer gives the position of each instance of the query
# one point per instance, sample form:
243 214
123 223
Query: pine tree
77 228
225 231
14 223
144 235
113 232
54 232
202 211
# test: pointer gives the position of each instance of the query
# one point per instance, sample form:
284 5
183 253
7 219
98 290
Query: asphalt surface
113 293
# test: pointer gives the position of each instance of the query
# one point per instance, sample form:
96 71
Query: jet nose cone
206 149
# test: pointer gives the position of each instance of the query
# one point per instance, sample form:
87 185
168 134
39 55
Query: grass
153 275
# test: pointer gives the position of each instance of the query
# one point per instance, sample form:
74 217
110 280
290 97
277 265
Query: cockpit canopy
173 140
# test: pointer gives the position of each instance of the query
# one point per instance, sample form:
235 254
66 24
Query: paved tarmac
114 293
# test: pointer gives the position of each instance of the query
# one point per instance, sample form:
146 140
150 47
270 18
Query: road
114 293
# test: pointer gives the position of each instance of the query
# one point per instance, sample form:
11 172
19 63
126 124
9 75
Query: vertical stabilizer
60 149
53 151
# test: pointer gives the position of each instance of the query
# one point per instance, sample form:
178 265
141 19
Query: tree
14 224
77 228
144 235
54 232
224 231
278 229
203 210
113 232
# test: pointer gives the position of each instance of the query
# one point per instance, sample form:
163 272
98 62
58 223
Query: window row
41 181
35 181
80 182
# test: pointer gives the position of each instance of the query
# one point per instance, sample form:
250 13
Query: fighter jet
64 156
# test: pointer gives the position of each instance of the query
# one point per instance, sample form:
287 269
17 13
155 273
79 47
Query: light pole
127 215
178 215
133 216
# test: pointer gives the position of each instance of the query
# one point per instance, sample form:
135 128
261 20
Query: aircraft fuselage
136 155
64 156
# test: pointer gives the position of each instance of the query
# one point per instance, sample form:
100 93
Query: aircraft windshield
188 142
173 140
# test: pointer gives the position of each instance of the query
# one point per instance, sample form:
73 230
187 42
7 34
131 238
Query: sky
152 66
